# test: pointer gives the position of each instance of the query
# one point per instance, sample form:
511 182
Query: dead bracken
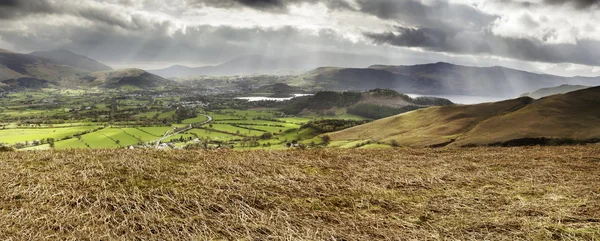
526 193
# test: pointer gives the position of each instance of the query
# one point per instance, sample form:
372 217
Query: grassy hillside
15 65
574 115
563 89
125 77
431 126
69 58
417 194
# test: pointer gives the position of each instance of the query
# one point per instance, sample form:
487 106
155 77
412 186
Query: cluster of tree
331 125
181 139
320 101
387 93
182 113
378 111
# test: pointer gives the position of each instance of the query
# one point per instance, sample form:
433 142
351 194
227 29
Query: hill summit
125 77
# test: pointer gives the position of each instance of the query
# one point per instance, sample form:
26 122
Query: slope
429 127
125 77
574 115
69 58
563 89
16 65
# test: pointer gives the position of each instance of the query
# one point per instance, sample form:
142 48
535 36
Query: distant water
463 99
261 98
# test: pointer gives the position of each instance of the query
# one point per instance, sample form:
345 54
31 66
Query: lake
262 98
458 99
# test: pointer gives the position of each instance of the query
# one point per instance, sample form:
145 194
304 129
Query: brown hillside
574 115
431 126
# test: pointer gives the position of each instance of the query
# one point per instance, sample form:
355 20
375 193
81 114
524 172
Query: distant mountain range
557 119
64 68
437 79
256 64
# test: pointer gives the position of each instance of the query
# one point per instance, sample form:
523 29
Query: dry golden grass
573 115
536 193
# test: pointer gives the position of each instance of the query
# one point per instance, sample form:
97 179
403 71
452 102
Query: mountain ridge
438 79
69 58
259 64
572 116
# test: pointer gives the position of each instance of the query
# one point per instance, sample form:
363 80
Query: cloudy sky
552 36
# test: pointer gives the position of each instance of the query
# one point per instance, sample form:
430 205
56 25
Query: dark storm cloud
580 4
107 16
19 8
268 5
486 43
437 14
200 43
577 4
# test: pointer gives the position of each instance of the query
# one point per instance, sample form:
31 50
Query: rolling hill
563 89
573 116
258 64
21 83
16 65
436 79
69 58
372 104
125 77
64 68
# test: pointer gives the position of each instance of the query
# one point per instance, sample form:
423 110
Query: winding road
191 126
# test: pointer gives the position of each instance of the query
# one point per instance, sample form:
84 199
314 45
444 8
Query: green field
98 140
129 119
137 133
232 129
260 122
213 135
272 129
295 120
156 131
147 114
167 115
70 143
12 136
107 138
198 119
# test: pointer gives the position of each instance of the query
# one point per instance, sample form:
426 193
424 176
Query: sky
550 36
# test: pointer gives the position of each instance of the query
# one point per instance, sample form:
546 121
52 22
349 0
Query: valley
61 100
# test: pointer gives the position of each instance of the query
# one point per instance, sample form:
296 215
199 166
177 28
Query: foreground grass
483 193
